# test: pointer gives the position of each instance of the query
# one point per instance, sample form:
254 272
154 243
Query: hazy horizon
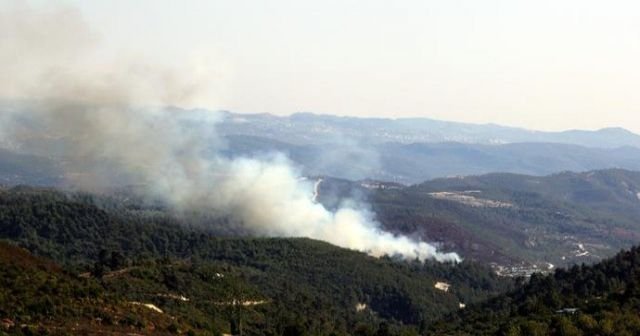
538 65
488 123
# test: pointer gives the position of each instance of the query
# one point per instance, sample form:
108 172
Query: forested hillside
116 248
302 284
39 297
602 299
557 220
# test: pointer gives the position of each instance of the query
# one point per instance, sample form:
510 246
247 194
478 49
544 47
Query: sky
549 65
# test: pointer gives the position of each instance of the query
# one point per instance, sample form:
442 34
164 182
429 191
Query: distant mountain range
408 151
394 162
416 162
309 128
413 150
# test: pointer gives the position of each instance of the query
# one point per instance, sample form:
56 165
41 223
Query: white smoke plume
103 119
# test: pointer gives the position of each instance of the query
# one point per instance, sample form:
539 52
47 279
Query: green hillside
38 297
602 299
134 252
559 219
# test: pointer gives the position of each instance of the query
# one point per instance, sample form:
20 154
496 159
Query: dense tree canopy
134 252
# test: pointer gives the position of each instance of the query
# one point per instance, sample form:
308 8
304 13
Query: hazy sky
537 64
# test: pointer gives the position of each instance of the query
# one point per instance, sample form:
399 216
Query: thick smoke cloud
104 119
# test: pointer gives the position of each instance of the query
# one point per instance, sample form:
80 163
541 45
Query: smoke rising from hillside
100 117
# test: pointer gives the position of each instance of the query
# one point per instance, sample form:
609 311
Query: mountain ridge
416 162
415 129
